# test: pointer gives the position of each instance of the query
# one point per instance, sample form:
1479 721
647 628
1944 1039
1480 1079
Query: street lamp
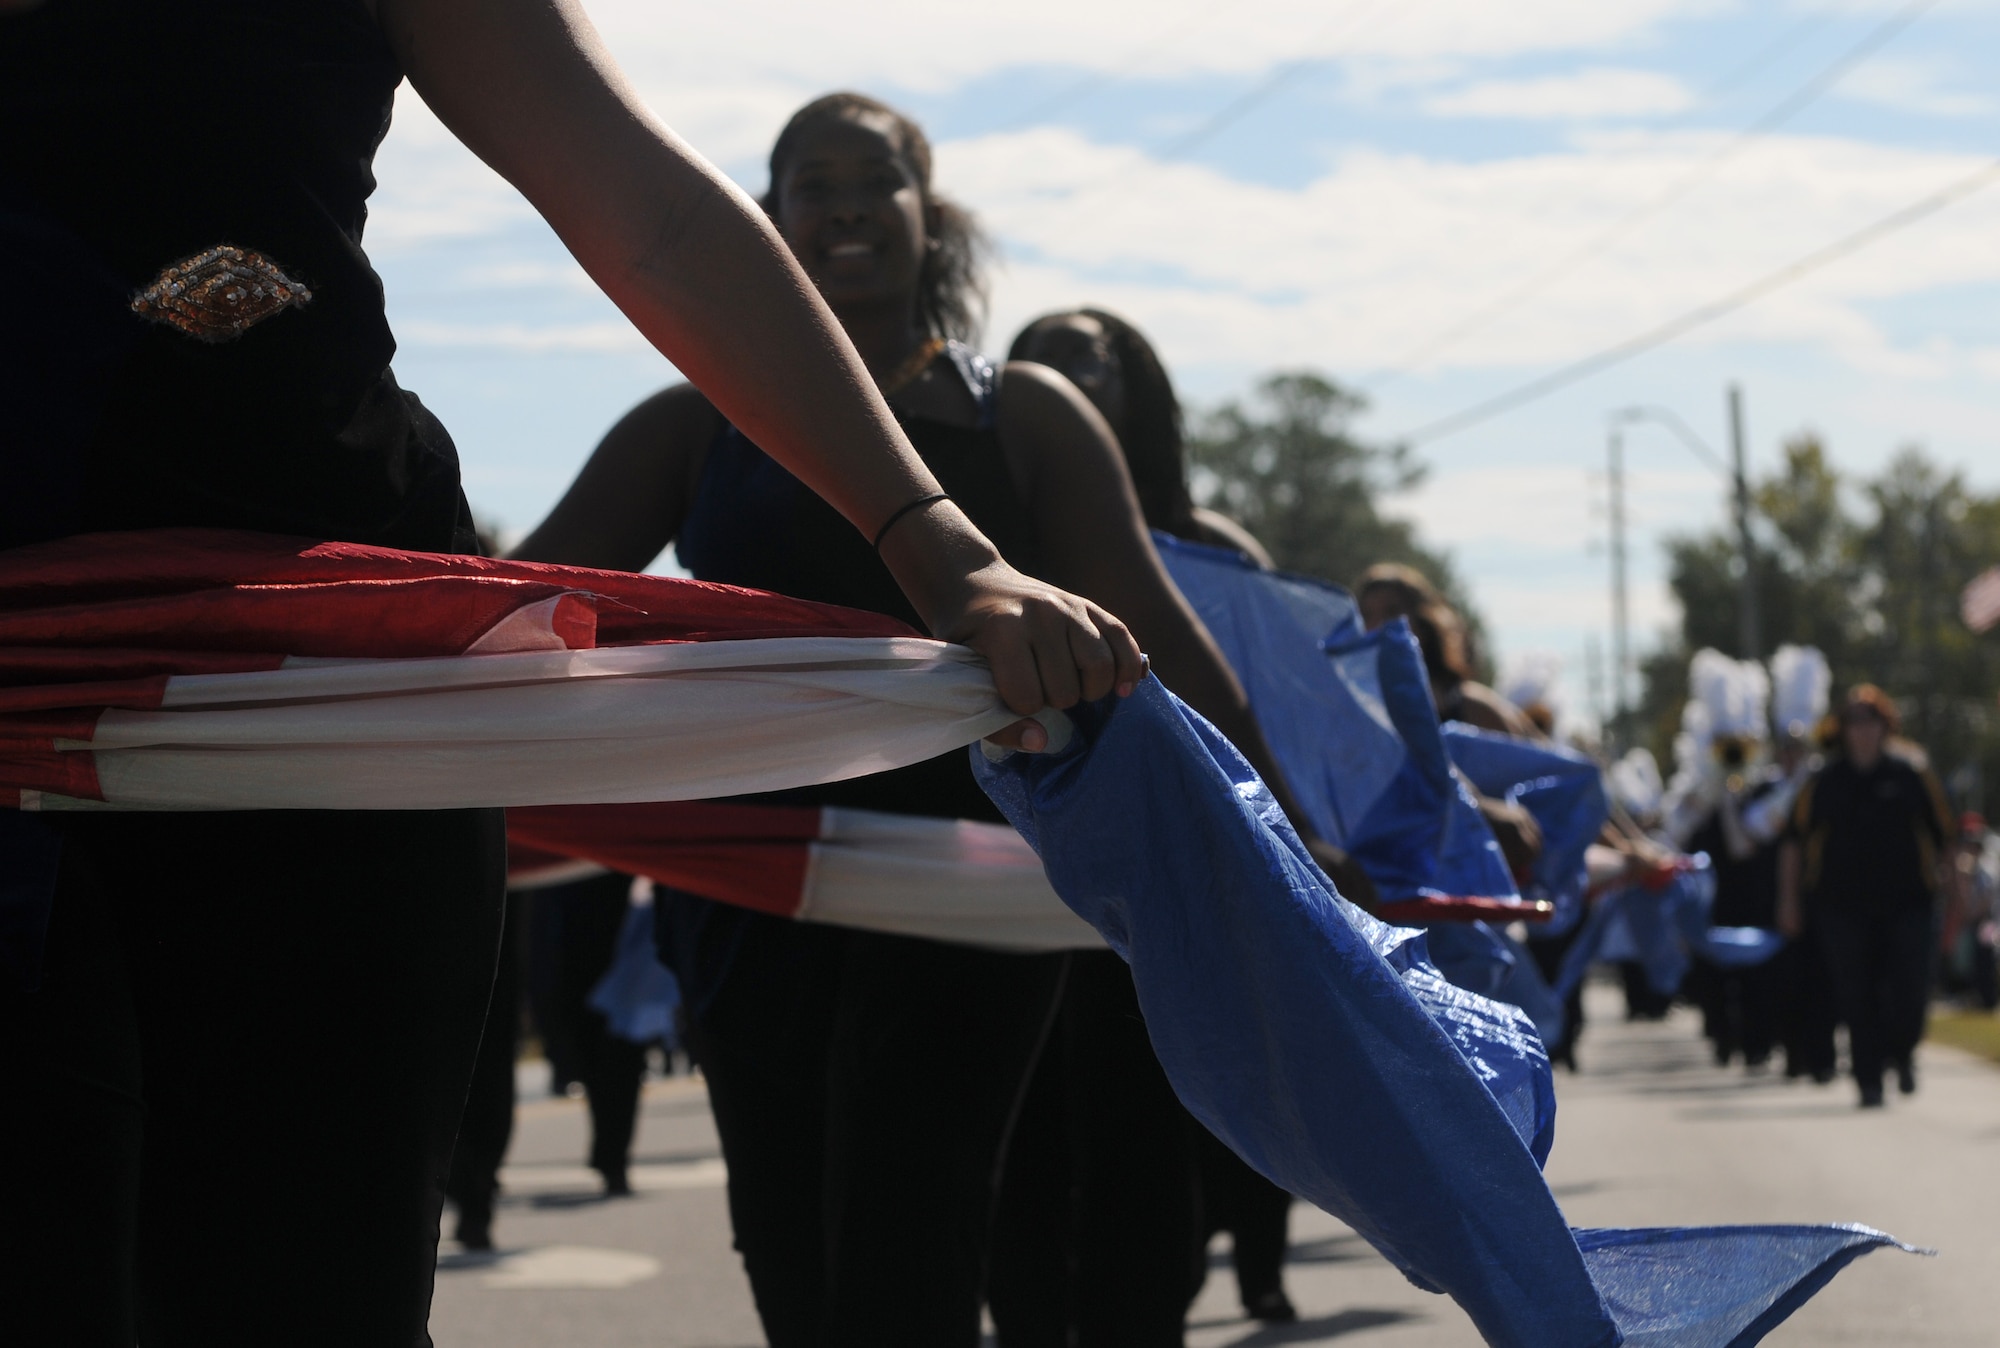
1749 619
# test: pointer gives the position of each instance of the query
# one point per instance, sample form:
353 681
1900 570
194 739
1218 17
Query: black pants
1880 967
863 1087
1738 1008
487 1125
239 1081
1548 954
612 1070
1256 1213
1807 1014
1099 1219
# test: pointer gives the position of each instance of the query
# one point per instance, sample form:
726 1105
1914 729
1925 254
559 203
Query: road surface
1648 1133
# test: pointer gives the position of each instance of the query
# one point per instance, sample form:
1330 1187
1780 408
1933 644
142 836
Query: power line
1576 370
1356 15
1232 111
1776 116
1075 93
1754 64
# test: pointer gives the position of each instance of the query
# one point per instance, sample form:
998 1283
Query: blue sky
1334 185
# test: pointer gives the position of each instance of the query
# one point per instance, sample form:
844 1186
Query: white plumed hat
1801 683
1635 782
1732 696
1534 676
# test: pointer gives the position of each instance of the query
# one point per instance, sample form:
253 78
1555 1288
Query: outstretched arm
530 88
633 493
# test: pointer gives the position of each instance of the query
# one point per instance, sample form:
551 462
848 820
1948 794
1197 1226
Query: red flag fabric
206 669
945 879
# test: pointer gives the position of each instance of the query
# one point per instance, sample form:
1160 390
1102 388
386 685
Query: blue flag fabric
1717 1286
1486 961
1664 929
1425 832
1561 788
638 995
1327 1051
1349 716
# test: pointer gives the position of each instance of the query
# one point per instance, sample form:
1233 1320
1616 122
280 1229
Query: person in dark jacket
1862 858
1739 1006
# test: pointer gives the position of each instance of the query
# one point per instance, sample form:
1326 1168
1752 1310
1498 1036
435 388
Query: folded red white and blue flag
1354 727
209 670
956 880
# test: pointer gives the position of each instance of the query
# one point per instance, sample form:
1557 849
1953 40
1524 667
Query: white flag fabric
190 670
538 727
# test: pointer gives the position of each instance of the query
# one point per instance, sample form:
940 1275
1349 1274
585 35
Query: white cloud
1916 86
1586 94
904 40
613 335
1385 250
430 187
1346 272
1550 508
1353 269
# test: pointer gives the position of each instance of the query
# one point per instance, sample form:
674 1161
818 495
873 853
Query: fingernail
1127 689
1034 739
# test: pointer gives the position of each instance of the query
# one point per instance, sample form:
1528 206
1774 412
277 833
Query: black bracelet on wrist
917 504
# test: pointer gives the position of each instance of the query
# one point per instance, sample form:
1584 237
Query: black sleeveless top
137 134
752 523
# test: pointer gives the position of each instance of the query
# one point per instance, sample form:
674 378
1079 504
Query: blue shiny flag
1326 1050
638 995
1561 788
1349 716
1717 1286
1487 961
1663 929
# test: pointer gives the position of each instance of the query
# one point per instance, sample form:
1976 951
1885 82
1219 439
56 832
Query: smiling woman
864 1084
949 283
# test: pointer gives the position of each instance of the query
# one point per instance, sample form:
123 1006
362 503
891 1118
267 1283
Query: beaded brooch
219 295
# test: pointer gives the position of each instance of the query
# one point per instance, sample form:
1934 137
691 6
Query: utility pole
1749 621
1593 669
1621 636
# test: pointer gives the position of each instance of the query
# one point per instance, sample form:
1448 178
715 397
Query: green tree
1284 463
1874 588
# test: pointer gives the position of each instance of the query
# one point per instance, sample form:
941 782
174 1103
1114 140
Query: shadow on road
1318 1329
576 1199
1323 1250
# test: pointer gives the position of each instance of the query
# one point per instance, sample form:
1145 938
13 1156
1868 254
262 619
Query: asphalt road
1649 1133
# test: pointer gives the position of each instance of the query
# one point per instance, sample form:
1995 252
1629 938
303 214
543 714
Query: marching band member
197 339
863 1083
1862 864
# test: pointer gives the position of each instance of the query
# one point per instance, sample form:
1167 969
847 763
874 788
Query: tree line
1868 569
1285 464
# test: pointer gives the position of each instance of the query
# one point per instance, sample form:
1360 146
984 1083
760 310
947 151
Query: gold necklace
912 365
